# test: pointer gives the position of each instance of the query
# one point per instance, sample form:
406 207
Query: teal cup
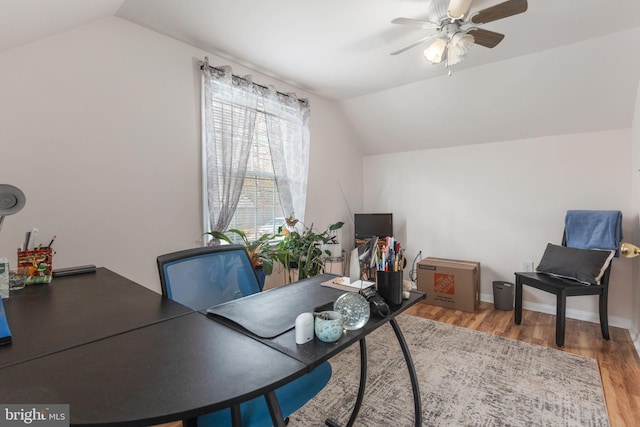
328 326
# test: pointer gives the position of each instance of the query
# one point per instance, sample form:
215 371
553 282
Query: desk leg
361 388
417 401
274 409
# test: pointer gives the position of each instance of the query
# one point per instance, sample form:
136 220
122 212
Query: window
255 154
259 210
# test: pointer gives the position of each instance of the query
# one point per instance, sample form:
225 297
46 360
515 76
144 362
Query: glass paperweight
354 309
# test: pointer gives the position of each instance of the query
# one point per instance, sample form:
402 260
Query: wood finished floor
617 358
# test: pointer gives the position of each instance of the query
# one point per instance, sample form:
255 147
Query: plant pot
335 249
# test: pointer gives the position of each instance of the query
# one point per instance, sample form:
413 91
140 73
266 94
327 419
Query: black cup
390 286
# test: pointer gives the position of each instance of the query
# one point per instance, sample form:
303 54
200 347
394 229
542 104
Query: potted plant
261 251
301 249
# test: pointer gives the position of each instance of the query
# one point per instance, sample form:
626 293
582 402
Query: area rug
467 378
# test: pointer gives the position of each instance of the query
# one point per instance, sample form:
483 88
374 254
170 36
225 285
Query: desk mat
274 312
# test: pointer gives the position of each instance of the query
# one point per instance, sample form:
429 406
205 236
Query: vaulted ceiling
564 67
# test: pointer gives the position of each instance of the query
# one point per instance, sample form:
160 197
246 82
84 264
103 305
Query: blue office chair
206 276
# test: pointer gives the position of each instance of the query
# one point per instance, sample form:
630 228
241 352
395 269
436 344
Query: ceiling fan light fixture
458 8
435 52
460 45
462 40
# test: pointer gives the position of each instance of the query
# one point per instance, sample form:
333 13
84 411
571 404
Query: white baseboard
587 316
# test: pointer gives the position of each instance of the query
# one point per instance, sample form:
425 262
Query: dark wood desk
171 370
76 310
120 354
280 307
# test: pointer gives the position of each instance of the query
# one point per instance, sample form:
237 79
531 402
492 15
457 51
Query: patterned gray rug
467 378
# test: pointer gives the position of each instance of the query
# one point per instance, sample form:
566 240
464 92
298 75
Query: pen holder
35 265
390 286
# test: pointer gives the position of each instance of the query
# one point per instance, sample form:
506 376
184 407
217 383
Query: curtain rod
303 101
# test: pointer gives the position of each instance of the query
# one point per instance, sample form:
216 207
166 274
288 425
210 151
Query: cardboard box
450 283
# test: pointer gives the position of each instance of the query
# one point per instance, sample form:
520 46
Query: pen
51 242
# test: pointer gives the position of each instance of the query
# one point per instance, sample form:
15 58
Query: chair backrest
604 280
203 277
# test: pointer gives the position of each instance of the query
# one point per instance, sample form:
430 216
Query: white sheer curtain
287 122
230 108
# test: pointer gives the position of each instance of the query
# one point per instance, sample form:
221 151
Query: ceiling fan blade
423 40
414 23
485 38
499 11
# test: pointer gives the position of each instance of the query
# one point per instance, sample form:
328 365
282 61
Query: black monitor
368 225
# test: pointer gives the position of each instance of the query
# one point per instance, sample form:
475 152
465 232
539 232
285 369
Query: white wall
100 127
500 203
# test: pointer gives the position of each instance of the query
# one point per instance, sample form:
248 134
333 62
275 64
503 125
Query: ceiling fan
455 29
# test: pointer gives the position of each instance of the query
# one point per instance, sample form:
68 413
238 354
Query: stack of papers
345 284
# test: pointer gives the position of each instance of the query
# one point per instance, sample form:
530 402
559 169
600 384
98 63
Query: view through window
259 210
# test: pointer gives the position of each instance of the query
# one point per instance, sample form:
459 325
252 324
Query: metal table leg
236 416
417 401
415 387
274 409
361 388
